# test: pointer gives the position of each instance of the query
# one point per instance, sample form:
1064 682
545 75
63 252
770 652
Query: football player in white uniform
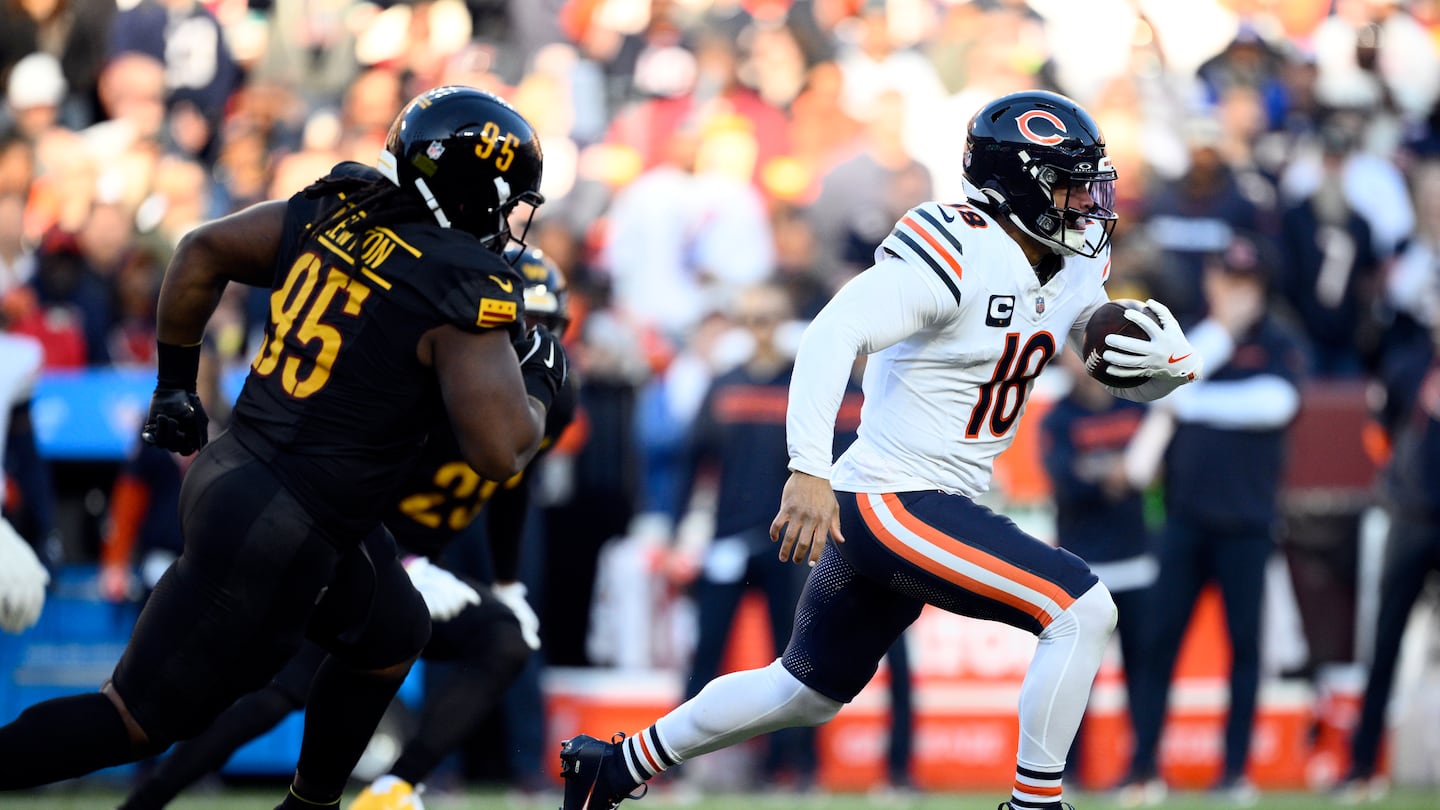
963 308
22 576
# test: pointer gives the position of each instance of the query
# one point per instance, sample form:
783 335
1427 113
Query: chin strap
432 203
385 164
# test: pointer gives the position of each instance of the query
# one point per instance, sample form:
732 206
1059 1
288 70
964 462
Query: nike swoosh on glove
444 593
22 582
1167 352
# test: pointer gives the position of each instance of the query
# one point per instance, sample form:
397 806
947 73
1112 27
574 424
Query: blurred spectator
310 47
1373 184
72 305
179 200
1222 476
143 527
709 93
200 73
875 64
17 164
684 236
668 404
1372 54
1411 302
1099 513
71 31
797 255
17 259
1194 216
130 140
1248 62
863 196
1330 276
242 171
370 104
776 67
591 493
1412 553
33 95
821 132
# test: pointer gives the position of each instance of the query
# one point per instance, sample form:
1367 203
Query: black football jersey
442 494
336 398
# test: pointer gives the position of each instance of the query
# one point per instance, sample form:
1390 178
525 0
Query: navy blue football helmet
547 295
469 156
1021 148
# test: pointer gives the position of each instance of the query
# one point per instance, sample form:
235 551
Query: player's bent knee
1096 611
1092 614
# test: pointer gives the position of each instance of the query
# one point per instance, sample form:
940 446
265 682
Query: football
1110 319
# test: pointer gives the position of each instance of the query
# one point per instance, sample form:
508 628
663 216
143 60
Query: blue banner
95 414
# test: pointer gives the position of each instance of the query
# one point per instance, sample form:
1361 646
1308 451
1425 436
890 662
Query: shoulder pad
351 168
927 236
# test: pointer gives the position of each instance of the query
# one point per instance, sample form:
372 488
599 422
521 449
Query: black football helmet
470 156
547 295
1021 148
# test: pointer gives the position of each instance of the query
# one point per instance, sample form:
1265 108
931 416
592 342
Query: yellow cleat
388 793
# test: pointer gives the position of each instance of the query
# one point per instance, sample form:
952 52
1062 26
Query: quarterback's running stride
965 305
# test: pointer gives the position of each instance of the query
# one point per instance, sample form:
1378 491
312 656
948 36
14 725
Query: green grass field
89 799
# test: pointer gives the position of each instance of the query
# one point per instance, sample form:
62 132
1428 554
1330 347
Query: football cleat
591 781
1008 806
388 793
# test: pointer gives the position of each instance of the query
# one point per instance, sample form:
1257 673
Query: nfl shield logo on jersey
1039 305
435 150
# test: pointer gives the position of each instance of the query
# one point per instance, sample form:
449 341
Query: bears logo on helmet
470 156
1022 148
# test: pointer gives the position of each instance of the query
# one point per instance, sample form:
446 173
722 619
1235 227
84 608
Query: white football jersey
957 327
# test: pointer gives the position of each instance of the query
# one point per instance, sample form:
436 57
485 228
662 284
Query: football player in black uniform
387 312
488 631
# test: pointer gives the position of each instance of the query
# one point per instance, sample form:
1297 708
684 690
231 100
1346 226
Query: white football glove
22 581
445 594
1167 352
512 595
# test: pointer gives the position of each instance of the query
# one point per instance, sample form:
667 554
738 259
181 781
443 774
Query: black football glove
176 422
542 363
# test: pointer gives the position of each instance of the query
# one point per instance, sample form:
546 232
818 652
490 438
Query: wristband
178 366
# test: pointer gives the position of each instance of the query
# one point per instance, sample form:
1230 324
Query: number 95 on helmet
469 156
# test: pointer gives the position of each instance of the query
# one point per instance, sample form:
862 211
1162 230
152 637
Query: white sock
735 707
646 754
1057 683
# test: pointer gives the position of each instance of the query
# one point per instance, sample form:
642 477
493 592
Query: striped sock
1036 789
645 754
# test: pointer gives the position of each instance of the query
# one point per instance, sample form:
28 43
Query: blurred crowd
697 148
